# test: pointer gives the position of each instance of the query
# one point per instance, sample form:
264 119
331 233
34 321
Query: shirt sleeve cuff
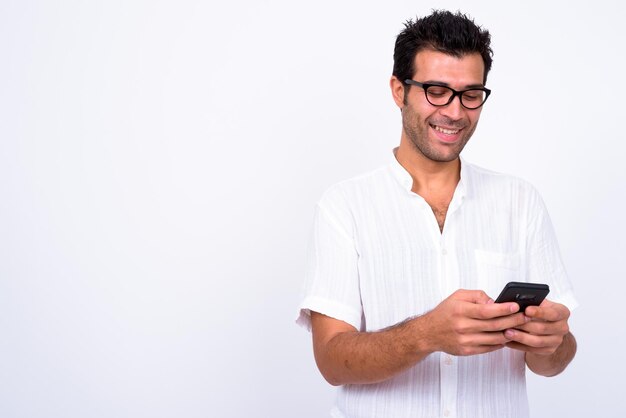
327 307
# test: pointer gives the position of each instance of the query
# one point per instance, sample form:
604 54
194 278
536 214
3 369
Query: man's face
440 133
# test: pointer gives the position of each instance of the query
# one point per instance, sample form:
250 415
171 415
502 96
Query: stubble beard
417 128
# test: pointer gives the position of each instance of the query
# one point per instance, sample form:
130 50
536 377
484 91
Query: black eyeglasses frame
455 93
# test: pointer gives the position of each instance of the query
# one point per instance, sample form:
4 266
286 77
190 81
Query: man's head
450 53
451 33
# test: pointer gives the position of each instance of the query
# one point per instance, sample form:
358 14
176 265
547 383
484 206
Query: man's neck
429 177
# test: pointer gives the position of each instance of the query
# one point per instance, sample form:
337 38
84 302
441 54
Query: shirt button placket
448 364
448 368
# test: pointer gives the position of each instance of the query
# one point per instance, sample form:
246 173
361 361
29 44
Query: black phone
525 294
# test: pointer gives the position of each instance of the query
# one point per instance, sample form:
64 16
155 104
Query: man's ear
397 91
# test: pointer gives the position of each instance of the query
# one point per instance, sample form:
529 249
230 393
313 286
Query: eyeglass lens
441 96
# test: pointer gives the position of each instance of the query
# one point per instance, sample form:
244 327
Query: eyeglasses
438 95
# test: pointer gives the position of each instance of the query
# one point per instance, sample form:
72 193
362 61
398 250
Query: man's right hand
468 322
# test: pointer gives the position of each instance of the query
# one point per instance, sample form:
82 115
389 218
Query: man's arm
466 323
546 339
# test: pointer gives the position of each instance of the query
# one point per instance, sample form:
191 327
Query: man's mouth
446 131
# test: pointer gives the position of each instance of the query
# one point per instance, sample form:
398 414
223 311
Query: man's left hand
545 331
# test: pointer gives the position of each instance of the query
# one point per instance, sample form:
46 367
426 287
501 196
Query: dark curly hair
451 33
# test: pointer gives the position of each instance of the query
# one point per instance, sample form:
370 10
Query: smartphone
525 294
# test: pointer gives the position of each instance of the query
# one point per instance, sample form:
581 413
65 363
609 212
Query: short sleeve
544 258
331 277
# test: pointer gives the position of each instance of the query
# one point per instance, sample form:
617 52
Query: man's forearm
371 357
555 363
465 323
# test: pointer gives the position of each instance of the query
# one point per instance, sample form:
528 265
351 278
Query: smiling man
405 260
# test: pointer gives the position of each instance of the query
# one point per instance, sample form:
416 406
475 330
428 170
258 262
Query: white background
159 165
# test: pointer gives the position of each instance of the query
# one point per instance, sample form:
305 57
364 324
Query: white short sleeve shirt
377 257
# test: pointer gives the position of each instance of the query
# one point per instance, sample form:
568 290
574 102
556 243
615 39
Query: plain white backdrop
159 166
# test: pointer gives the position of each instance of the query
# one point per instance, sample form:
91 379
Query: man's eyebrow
437 83
444 84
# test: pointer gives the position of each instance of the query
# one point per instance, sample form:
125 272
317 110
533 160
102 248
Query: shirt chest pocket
494 270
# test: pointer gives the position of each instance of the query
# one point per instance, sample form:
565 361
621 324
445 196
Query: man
393 251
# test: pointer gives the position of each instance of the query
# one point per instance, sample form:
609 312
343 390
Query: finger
489 338
552 313
538 327
498 324
468 341
503 323
492 310
480 349
548 311
535 341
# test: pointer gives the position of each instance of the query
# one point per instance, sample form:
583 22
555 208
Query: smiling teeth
445 131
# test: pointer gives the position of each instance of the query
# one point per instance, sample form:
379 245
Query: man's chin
452 152
446 159
444 156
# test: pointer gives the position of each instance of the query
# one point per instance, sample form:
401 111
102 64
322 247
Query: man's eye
473 95
435 92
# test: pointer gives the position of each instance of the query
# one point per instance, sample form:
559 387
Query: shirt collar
400 174
406 181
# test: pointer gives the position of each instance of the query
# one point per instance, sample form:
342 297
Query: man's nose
454 110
